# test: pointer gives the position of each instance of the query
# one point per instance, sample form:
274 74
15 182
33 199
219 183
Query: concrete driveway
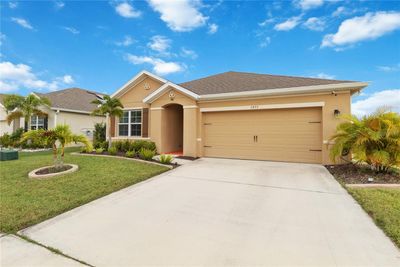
223 212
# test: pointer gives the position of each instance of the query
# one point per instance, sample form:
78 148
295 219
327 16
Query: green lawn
384 207
24 201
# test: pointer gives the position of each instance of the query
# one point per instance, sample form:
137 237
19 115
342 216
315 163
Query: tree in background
19 106
373 139
99 135
111 107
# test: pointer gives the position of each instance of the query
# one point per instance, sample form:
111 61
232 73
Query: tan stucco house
71 106
235 115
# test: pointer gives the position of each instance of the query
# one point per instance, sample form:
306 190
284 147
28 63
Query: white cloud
127 41
308 4
266 22
71 30
126 10
265 42
59 4
159 43
340 11
14 77
160 67
188 53
12 5
67 79
389 68
368 27
388 99
315 24
212 28
22 22
180 16
324 76
288 25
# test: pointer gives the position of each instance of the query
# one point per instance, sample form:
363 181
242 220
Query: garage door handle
255 138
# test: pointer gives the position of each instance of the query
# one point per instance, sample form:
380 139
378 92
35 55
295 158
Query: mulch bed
54 169
357 174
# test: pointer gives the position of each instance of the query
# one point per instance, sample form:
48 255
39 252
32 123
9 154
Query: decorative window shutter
46 122
145 122
112 125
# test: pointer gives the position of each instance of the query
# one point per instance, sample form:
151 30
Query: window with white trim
37 122
130 123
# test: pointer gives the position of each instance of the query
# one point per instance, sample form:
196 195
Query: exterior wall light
336 113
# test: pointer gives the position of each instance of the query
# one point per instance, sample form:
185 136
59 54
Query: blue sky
99 45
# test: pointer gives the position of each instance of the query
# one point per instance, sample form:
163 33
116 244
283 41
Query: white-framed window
37 122
130 123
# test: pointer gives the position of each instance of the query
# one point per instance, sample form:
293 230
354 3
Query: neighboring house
4 127
70 106
235 115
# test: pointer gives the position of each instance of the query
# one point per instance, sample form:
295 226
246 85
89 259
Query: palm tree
110 107
373 139
61 135
18 106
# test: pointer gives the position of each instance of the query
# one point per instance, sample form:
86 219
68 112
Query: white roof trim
159 92
290 90
72 110
137 76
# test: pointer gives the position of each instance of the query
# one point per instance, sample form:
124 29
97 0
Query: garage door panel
292 135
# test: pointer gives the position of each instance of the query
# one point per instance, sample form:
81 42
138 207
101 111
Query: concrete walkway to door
215 212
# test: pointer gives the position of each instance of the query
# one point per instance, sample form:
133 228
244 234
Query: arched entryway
173 129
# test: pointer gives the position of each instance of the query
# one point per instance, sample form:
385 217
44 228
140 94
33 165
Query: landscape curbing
33 174
373 185
119 157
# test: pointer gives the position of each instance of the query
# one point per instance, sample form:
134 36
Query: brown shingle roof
232 81
72 98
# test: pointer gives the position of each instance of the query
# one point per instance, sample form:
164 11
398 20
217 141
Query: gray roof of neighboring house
73 99
232 81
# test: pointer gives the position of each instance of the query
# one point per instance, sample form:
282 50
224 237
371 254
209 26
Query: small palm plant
19 106
61 135
373 139
110 107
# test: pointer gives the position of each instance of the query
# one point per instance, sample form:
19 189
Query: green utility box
8 155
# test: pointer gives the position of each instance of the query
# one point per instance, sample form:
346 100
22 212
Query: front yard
25 201
383 205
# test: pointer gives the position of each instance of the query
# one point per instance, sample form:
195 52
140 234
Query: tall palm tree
18 107
111 107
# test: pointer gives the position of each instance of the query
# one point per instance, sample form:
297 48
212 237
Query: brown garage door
292 135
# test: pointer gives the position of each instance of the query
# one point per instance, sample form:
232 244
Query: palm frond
14 115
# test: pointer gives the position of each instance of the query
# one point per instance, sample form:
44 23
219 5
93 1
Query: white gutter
70 110
285 91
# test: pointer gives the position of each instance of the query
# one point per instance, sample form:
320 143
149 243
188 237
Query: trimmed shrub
166 159
99 134
130 154
146 154
126 145
5 140
112 150
139 144
87 149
